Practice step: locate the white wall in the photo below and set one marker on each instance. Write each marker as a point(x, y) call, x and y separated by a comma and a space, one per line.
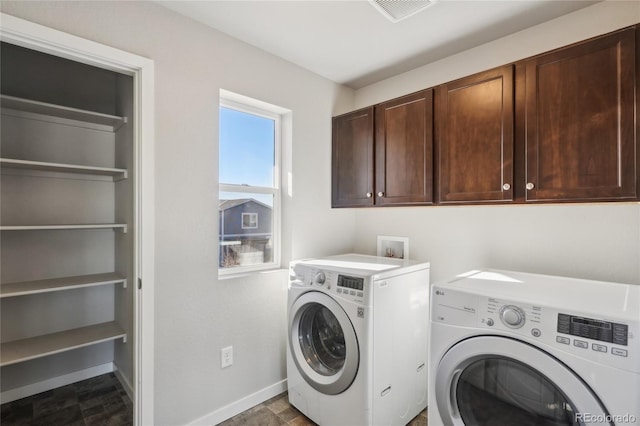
point(196, 314)
point(598, 241)
point(598, 19)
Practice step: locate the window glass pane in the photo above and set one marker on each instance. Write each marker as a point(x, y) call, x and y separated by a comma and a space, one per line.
point(249, 220)
point(246, 226)
point(247, 148)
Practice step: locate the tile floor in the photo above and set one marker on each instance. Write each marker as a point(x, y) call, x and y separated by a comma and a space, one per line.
point(101, 401)
point(97, 401)
point(278, 412)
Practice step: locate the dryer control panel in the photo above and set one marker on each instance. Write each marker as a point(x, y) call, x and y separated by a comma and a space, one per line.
point(605, 340)
point(595, 329)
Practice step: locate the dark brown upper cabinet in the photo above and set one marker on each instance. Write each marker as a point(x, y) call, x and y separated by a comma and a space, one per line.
point(383, 155)
point(404, 150)
point(558, 127)
point(352, 159)
point(474, 133)
point(579, 107)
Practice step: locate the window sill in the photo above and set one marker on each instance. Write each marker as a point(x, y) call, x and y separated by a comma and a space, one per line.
point(228, 275)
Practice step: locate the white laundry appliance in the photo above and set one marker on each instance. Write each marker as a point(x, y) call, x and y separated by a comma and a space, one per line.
point(357, 350)
point(509, 348)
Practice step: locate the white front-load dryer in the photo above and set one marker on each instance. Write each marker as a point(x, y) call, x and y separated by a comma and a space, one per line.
point(509, 348)
point(357, 346)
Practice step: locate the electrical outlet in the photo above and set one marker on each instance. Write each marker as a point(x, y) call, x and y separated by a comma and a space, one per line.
point(226, 357)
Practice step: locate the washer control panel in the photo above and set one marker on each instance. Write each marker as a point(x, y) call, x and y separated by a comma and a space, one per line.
point(355, 283)
point(332, 282)
point(353, 286)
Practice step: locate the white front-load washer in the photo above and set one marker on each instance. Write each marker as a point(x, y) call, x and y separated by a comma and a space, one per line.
point(509, 348)
point(357, 347)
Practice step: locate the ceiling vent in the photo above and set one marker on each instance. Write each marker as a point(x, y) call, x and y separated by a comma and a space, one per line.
point(397, 10)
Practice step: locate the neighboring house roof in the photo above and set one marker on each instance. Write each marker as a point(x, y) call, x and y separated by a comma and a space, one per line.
point(228, 204)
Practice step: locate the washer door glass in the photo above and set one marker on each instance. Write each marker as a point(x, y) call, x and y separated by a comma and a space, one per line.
point(500, 391)
point(321, 339)
point(323, 343)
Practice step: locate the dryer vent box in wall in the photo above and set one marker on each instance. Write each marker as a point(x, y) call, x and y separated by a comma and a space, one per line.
point(395, 10)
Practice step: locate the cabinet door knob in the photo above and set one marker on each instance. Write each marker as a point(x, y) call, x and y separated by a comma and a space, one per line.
point(530, 186)
point(380, 194)
point(506, 187)
point(369, 195)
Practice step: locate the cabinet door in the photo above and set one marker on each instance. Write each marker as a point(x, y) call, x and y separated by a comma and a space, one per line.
point(474, 129)
point(404, 150)
point(352, 157)
point(580, 142)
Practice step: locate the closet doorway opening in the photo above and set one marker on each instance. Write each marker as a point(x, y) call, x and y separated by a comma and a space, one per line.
point(76, 229)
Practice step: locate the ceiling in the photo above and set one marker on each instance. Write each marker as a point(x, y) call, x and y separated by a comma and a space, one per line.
point(352, 43)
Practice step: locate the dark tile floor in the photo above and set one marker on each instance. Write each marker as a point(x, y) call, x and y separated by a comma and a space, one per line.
point(278, 412)
point(101, 401)
point(97, 401)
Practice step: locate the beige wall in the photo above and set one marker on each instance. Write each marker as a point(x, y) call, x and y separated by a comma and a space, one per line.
point(196, 314)
point(598, 241)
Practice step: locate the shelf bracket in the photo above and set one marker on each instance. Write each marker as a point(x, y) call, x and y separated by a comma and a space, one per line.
point(124, 339)
point(124, 283)
point(123, 176)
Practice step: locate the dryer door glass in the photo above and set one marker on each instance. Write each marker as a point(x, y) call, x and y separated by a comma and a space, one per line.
point(322, 339)
point(501, 391)
point(492, 380)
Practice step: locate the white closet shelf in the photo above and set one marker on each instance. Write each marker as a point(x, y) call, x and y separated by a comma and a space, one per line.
point(50, 112)
point(12, 163)
point(36, 347)
point(57, 284)
point(114, 226)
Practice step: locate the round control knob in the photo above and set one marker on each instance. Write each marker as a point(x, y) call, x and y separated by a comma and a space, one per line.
point(490, 322)
point(512, 316)
point(320, 278)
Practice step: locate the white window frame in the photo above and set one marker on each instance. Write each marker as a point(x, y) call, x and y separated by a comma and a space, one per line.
point(251, 220)
point(261, 109)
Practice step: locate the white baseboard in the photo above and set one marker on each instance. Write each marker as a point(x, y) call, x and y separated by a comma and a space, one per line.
point(241, 405)
point(55, 382)
point(126, 384)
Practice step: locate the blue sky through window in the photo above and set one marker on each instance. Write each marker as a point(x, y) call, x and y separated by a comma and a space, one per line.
point(247, 150)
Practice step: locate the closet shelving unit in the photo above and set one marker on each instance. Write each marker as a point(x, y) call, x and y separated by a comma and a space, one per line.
point(20, 350)
point(120, 226)
point(49, 344)
point(60, 114)
point(24, 288)
point(10, 163)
